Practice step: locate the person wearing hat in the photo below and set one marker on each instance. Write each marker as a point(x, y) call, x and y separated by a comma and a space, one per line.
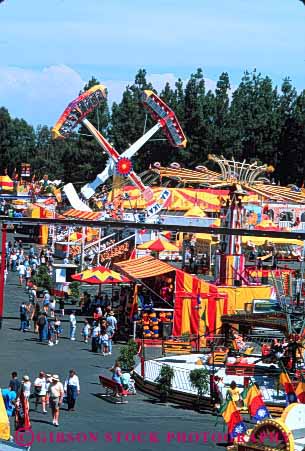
point(26, 385)
point(26, 389)
point(56, 394)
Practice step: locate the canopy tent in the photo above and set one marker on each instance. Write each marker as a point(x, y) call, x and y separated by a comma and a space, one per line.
point(6, 183)
point(144, 267)
point(190, 293)
point(158, 245)
point(207, 237)
point(195, 211)
point(99, 275)
point(261, 240)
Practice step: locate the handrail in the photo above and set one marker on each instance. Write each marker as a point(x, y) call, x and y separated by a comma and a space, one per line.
point(100, 240)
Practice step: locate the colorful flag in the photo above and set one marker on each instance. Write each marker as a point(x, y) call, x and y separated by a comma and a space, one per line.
point(233, 419)
point(254, 401)
point(135, 304)
point(300, 392)
point(288, 387)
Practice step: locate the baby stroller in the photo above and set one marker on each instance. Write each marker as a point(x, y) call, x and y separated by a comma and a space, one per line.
point(128, 384)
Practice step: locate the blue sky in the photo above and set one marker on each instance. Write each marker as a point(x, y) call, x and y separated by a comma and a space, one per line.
point(49, 48)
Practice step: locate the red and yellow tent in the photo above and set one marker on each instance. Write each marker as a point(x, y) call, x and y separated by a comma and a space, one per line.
point(198, 305)
point(6, 183)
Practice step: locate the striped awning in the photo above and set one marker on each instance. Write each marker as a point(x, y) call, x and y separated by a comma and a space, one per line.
point(143, 267)
point(6, 183)
point(90, 215)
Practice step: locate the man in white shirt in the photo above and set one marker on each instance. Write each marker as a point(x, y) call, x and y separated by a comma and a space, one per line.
point(72, 389)
point(21, 272)
point(72, 326)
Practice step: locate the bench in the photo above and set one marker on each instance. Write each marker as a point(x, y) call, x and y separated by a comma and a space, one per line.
point(275, 411)
point(177, 347)
point(112, 389)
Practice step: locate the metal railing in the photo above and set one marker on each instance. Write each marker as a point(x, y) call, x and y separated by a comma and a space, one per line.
point(181, 380)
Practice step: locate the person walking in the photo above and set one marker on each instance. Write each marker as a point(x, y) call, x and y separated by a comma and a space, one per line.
point(40, 390)
point(9, 398)
point(26, 388)
point(21, 273)
point(58, 329)
point(52, 307)
point(72, 325)
point(46, 301)
point(56, 394)
point(110, 333)
point(23, 317)
point(43, 327)
point(72, 389)
point(95, 336)
point(86, 330)
point(112, 321)
point(15, 383)
point(35, 315)
point(104, 341)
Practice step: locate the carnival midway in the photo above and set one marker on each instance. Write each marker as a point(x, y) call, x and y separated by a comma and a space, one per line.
point(197, 273)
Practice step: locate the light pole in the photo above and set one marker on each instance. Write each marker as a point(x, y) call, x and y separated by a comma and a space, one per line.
point(2, 270)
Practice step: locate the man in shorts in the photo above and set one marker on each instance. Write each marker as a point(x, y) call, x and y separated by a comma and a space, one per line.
point(56, 394)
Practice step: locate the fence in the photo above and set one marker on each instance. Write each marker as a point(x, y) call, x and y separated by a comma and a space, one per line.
point(181, 381)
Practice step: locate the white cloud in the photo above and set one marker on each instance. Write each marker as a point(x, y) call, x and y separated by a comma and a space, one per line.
point(41, 95)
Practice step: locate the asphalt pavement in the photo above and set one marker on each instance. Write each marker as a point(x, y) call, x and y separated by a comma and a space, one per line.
point(142, 424)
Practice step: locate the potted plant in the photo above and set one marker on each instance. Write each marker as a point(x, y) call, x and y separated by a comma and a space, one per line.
point(74, 288)
point(164, 381)
point(127, 355)
point(42, 279)
point(200, 379)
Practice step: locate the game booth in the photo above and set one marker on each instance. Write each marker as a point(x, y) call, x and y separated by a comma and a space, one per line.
point(165, 294)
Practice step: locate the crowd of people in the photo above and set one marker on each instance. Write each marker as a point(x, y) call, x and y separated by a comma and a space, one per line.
point(45, 390)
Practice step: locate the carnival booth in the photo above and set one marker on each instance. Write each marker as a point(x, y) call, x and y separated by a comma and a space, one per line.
point(62, 276)
point(162, 291)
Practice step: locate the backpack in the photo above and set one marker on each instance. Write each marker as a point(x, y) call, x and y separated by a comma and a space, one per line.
point(41, 321)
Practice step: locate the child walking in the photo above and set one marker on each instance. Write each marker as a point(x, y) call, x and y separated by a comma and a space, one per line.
point(86, 331)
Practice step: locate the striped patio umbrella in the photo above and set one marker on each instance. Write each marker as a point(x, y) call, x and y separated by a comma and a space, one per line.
point(99, 275)
point(158, 245)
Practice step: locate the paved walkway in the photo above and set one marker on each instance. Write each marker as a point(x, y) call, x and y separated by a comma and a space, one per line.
point(108, 423)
